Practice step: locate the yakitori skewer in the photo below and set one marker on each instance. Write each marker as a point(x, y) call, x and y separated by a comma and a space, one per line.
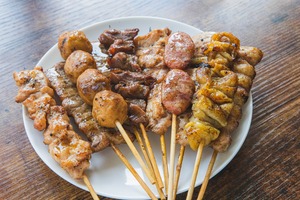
point(110, 110)
point(248, 57)
point(178, 87)
point(228, 91)
point(36, 95)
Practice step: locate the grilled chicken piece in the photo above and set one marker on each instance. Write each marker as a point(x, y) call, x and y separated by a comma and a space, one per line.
point(90, 82)
point(99, 137)
point(71, 152)
point(150, 48)
point(72, 41)
point(38, 105)
point(65, 146)
point(182, 120)
point(58, 120)
point(36, 95)
point(109, 107)
point(30, 82)
point(159, 118)
point(252, 55)
point(217, 50)
point(77, 63)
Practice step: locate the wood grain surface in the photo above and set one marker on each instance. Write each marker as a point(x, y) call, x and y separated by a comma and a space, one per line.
point(268, 164)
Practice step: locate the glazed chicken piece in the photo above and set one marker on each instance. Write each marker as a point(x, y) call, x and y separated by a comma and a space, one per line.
point(66, 146)
point(35, 94)
point(71, 152)
point(150, 48)
point(30, 82)
point(71, 41)
point(58, 120)
point(38, 105)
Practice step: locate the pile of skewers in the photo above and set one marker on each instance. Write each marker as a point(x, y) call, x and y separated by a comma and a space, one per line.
point(197, 85)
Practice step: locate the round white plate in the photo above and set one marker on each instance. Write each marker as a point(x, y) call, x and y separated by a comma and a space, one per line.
point(107, 173)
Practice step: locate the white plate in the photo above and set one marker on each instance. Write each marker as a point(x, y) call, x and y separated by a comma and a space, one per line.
point(107, 173)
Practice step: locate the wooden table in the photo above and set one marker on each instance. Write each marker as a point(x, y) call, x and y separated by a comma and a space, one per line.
point(266, 167)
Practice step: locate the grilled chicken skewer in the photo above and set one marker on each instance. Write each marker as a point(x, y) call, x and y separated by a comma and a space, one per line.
point(87, 121)
point(219, 54)
point(243, 66)
point(65, 146)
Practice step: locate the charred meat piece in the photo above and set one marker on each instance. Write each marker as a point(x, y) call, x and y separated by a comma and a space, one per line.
point(137, 111)
point(132, 90)
point(131, 84)
point(124, 61)
point(113, 41)
point(127, 76)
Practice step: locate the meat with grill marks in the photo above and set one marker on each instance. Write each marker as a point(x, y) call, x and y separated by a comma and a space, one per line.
point(99, 137)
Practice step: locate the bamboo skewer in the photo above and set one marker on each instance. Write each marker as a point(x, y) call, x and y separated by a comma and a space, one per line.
point(164, 161)
point(207, 175)
point(135, 152)
point(90, 187)
point(133, 172)
point(144, 151)
point(195, 171)
point(140, 142)
point(172, 157)
point(178, 169)
point(152, 157)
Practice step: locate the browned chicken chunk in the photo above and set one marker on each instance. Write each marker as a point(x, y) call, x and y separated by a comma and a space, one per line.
point(72, 41)
point(77, 63)
point(90, 82)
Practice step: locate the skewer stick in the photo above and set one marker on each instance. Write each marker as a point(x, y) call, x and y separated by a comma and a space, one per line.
point(195, 171)
point(164, 161)
point(178, 169)
point(143, 148)
point(133, 172)
point(90, 187)
point(172, 157)
point(152, 157)
point(207, 175)
point(135, 152)
point(140, 142)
